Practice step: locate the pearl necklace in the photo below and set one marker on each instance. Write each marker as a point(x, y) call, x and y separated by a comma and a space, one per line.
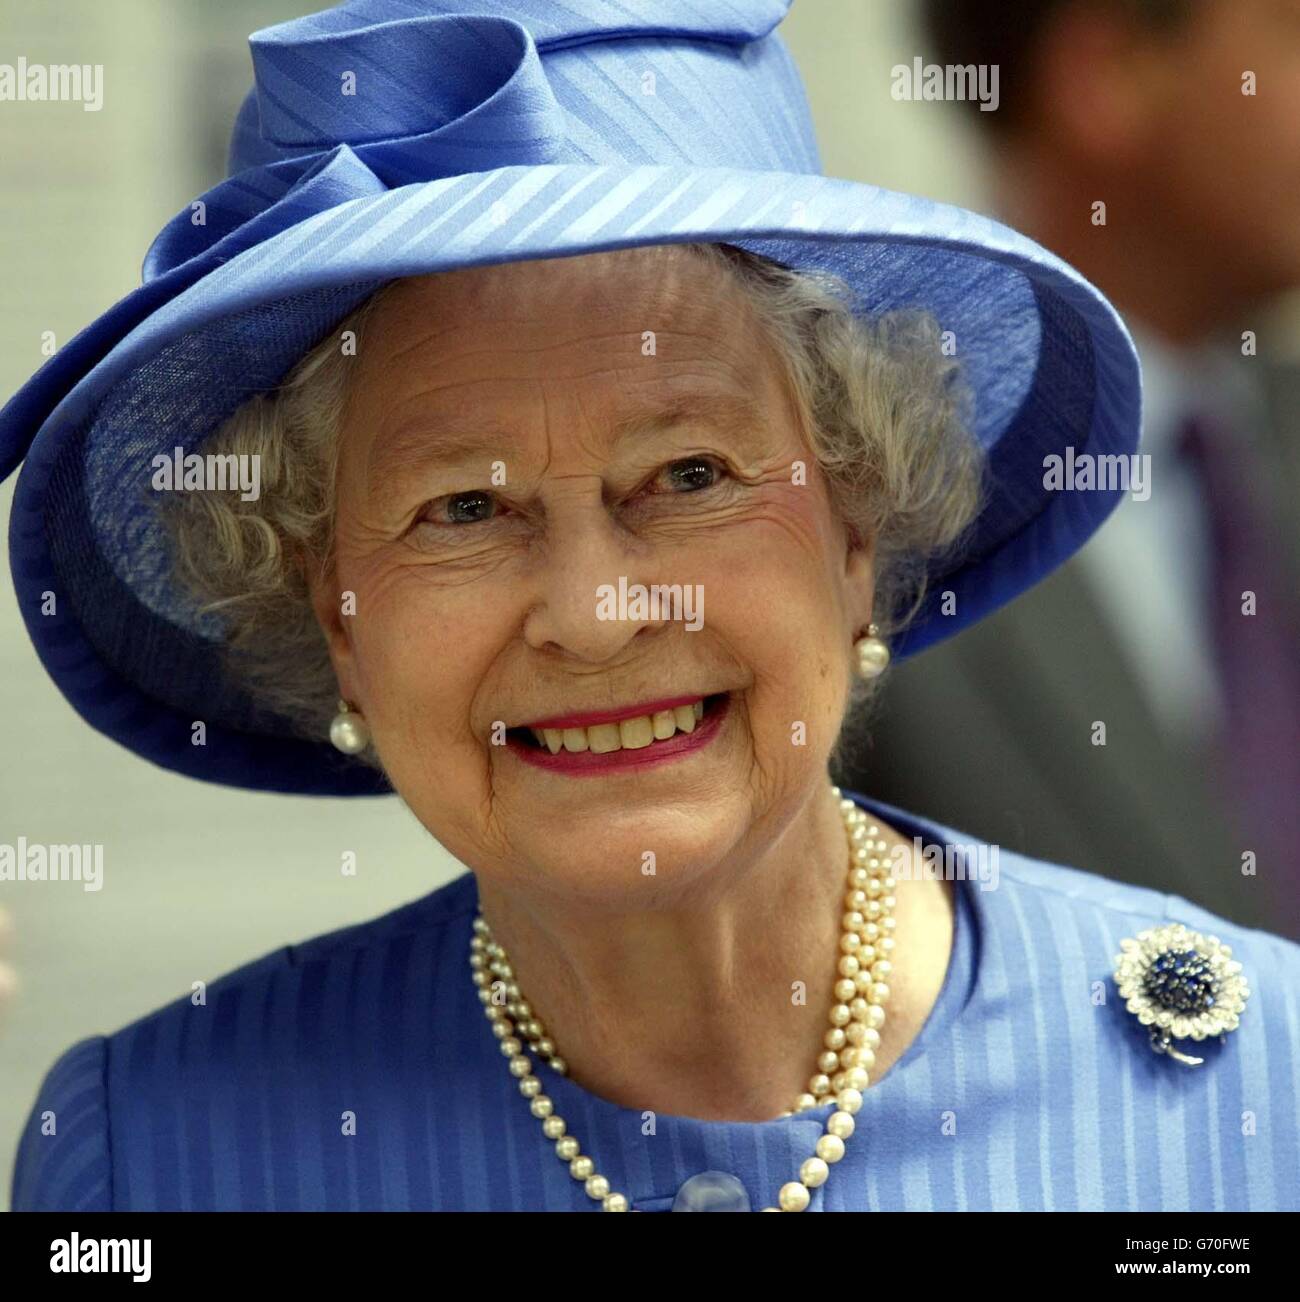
point(856, 1016)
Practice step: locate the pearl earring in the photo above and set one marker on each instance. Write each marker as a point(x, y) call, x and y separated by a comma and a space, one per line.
point(348, 730)
point(873, 654)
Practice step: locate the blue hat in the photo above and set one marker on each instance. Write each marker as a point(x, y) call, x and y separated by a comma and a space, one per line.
point(388, 138)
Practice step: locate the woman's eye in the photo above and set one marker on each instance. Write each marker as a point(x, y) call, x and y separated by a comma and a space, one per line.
point(690, 475)
point(456, 510)
point(462, 508)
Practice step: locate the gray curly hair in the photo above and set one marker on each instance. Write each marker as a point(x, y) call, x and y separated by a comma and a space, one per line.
point(885, 408)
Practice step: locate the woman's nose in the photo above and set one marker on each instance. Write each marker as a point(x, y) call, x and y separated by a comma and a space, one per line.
point(584, 562)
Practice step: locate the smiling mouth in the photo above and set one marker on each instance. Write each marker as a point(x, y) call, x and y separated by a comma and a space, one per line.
point(643, 732)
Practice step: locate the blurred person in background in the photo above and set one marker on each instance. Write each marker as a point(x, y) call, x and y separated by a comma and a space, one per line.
point(1182, 118)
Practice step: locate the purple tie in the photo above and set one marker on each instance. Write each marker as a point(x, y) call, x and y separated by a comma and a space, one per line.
point(1258, 658)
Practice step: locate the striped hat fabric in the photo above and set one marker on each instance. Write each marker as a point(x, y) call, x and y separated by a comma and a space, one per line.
point(389, 138)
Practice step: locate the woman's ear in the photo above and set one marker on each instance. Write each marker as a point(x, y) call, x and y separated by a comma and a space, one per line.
point(329, 606)
point(860, 576)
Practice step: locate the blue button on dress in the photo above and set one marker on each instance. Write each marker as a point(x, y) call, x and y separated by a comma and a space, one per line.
point(712, 1191)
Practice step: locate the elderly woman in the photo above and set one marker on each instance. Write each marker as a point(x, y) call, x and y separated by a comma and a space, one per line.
point(601, 460)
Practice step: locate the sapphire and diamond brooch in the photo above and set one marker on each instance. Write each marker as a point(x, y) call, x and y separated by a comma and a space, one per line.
point(1181, 985)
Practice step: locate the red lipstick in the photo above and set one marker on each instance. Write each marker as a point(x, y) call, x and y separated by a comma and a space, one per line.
point(588, 764)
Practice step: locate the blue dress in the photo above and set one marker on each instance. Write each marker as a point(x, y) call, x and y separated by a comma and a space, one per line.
point(1029, 1087)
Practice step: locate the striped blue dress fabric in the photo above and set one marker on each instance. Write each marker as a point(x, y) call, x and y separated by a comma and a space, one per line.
point(1023, 1091)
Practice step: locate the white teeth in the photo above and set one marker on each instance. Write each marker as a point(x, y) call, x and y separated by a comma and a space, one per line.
point(636, 734)
point(664, 724)
point(627, 734)
point(603, 738)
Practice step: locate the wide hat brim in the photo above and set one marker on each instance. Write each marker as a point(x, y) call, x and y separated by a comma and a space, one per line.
point(1050, 365)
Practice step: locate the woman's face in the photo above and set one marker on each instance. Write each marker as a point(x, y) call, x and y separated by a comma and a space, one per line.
point(522, 444)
